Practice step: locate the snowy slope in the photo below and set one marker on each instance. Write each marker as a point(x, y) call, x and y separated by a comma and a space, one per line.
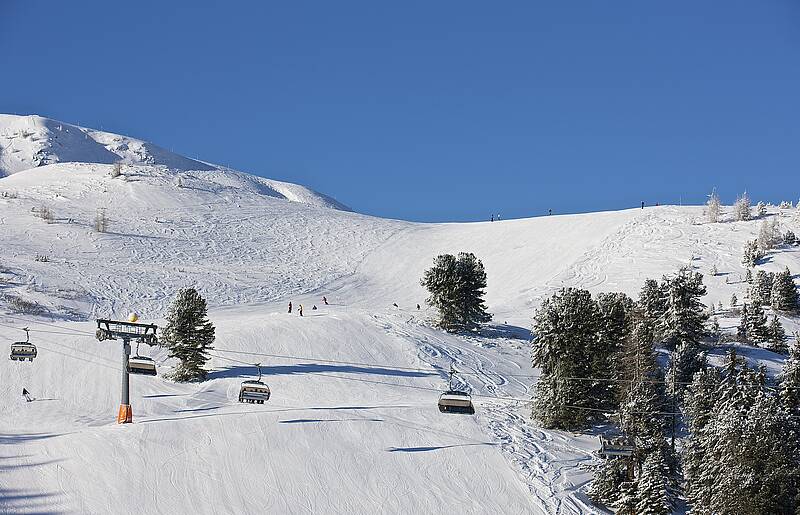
point(352, 426)
point(32, 141)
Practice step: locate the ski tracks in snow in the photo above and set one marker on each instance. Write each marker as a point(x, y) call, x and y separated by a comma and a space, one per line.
point(540, 457)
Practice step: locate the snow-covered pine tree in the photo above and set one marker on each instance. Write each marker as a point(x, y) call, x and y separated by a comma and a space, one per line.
point(685, 316)
point(748, 276)
point(456, 286)
point(761, 289)
point(743, 331)
point(614, 326)
point(741, 209)
point(789, 379)
point(752, 254)
point(739, 457)
point(627, 501)
point(608, 477)
point(713, 209)
point(189, 335)
point(761, 208)
point(784, 296)
point(564, 328)
point(734, 300)
point(764, 237)
point(652, 303)
point(777, 336)
point(789, 238)
point(653, 497)
point(686, 360)
point(757, 325)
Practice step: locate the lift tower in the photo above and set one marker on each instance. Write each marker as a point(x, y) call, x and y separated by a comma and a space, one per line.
point(126, 331)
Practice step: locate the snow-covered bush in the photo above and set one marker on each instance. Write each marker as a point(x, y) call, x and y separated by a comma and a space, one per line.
point(761, 209)
point(713, 207)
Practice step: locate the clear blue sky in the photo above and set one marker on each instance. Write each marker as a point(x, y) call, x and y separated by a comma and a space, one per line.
point(435, 110)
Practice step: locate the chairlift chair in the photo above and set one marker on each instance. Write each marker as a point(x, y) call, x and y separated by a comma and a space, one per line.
point(616, 446)
point(455, 401)
point(20, 351)
point(141, 365)
point(254, 392)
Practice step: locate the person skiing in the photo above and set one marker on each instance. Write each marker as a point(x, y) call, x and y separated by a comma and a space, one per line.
point(290, 306)
point(325, 300)
point(395, 304)
point(417, 307)
point(27, 395)
point(643, 204)
point(549, 212)
point(300, 309)
point(492, 217)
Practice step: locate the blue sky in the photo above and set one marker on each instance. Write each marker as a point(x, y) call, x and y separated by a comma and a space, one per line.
point(434, 111)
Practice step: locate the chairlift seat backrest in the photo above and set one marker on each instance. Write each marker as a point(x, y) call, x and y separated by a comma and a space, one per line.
point(142, 365)
point(22, 351)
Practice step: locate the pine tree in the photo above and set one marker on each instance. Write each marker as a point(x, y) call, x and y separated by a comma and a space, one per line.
point(734, 300)
point(607, 480)
point(752, 254)
point(761, 289)
point(614, 326)
point(789, 238)
point(739, 457)
point(743, 331)
point(653, 486)
point(789, 379)
point(784, 294)
point(761, 208)
point(652, 302)
point(189, 335)
point(564, 328)
point(713, 204)
point(685, 316)
point(627, 501)
point(686, 361)
point(748, 276)
point(777, 336)
point(757, 325)
point(741, 209)
point(768, 235)
point(456, 287)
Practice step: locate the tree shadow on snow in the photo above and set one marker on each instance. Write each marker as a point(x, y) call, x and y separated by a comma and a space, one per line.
point(512, 332)
point(317, 420)
point(27, 500)
point(438, 447)
point(314, 368)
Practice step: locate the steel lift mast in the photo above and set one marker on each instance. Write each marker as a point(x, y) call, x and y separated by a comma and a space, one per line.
point(126, 331)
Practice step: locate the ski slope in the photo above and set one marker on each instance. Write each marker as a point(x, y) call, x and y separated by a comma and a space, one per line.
point(352, 425)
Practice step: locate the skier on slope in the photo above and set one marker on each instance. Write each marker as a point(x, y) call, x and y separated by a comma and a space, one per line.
point(290, 306)
point(300, 309)
point(325, 300)
point(27, 395)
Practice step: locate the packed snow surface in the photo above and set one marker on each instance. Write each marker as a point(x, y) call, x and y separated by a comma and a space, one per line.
point(352, 424)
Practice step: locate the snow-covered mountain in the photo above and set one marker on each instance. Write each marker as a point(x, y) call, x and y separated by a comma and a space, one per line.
point(352, 426)
point(28, 142)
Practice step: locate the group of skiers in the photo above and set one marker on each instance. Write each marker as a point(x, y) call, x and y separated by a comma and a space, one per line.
point(313, 308)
